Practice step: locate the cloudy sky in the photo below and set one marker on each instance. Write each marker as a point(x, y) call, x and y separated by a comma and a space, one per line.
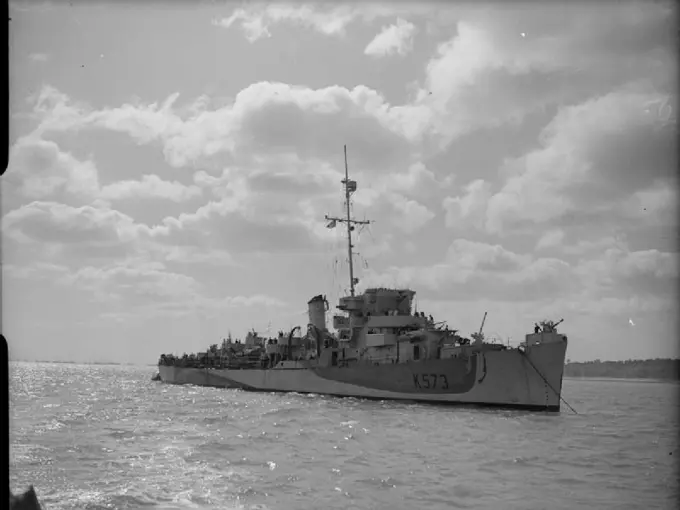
point(171, 165)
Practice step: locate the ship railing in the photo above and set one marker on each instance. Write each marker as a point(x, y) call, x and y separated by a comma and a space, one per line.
point(380, 359)
point(239, 359)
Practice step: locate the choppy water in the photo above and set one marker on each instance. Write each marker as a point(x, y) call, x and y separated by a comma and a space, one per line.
point(107, 437)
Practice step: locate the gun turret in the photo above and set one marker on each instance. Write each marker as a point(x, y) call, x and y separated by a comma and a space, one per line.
point(549, 326)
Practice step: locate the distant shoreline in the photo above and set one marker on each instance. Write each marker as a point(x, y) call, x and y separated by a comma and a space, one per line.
point(621, 379)
point(649, 369)
point(103, 363)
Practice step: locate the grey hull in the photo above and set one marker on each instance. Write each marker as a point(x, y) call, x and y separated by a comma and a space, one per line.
point(500, 378)
point(196, 376)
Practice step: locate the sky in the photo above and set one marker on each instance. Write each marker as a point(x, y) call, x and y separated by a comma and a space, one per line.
point(171, 164)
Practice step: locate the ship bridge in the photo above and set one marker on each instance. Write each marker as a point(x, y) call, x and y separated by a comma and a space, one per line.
point(379, 301)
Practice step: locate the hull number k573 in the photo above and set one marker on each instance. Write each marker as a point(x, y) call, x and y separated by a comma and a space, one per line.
point(430, 381)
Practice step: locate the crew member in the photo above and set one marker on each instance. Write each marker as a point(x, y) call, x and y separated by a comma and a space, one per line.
point(270, 353)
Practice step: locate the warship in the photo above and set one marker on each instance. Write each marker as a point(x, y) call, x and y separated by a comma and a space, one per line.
point(382, 349)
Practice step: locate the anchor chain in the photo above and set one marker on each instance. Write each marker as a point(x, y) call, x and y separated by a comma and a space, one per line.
point(545, 380)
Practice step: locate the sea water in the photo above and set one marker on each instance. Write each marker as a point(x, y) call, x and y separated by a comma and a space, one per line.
point(98, 436)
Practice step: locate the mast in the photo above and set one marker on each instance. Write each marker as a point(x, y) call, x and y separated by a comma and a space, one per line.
point(350, 187)
point(349, 227)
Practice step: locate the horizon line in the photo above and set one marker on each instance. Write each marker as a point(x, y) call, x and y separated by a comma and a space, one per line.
point(71, 362)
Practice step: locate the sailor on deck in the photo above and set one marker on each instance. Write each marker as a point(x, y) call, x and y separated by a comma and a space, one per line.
point(270, 352)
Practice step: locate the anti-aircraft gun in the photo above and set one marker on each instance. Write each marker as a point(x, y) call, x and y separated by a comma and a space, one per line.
point(549, 326)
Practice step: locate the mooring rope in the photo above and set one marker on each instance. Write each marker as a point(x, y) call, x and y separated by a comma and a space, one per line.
point(546, 381)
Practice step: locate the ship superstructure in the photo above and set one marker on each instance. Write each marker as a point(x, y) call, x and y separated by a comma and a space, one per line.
point(383, 349)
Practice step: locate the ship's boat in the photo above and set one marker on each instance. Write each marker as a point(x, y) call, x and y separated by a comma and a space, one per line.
point(26, 501)
point(383, 349)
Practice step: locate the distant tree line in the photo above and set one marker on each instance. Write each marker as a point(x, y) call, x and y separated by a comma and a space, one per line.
point(659, 368)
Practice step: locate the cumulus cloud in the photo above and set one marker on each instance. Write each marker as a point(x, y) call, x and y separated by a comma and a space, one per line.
point(655, 205)
point(106, 254)
point(503, 63)
point(279, 161)
point(96, 229)
point(38, 271)
point(139, 281)
point(229, 225)
point(253, 176)
point(550, 239)
point(253, 27)
point(38, 169)
point(412, 215)
point(195, 255)
point(488, 74)
point(256, 19)
point(594, 155)
point(255, 300)
point(643, 272)
point(397, 38)
point(62, 213)
point(402, 212)
point(589, 305)
point(150, 186)
point(474, 270)
point(149, 288)
point(468, 208)
point(259, 118)
point(416, 180)
point(191, 306)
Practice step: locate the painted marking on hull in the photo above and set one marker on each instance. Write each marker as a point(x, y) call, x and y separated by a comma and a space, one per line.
point(430, 381)
point(449, 376)
point(483, 368)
